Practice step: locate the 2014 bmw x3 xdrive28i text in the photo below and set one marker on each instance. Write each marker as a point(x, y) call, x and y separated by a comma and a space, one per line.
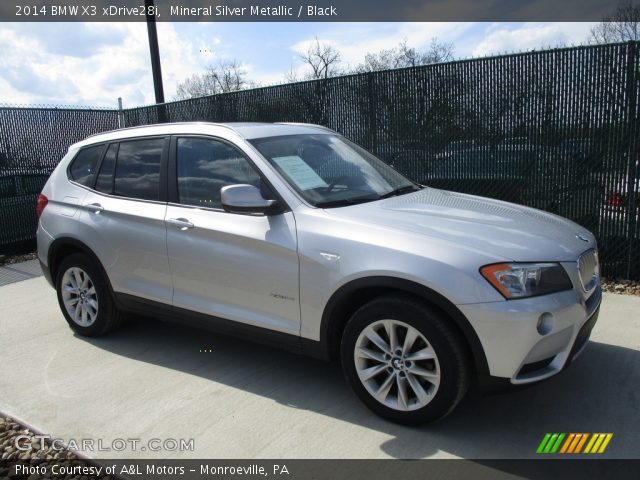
point(292, 234)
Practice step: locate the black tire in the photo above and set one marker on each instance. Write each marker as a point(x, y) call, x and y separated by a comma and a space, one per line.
point(452, 358)
point(108, 316)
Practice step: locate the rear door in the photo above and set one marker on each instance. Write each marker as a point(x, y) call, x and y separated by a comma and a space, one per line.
point(231, 266)
point(125, 218)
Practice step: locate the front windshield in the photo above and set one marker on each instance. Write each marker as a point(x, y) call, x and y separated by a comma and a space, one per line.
point(330, 171)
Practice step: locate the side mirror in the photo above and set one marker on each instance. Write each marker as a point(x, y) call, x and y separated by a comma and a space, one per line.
point(245, 199)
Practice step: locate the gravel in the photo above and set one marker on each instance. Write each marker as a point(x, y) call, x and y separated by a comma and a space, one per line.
point(11, 259)
point(10, 430)
point(624, 287)
point(39, 454)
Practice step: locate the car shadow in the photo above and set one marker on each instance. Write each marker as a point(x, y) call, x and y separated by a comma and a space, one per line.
point(597, 394)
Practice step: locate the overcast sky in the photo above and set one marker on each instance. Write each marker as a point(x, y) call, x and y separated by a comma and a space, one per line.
point(95, 63)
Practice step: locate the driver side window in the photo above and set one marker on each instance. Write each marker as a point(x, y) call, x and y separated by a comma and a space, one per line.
point(205, 166)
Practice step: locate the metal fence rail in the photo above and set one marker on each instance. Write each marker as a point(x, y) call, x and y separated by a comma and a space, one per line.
point(555, 129)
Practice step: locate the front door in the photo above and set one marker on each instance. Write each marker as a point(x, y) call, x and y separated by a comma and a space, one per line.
point(232, 266)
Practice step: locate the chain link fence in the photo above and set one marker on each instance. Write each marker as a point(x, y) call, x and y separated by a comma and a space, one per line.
point(32, 142)
point(555, 130)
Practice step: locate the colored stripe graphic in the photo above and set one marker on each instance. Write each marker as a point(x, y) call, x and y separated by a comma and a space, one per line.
point(581, 442)
point(590, 444)
point(605, 443)
point(577, 437)
point(574, 443)
point(598, 443)
point(556, 445)
point(567, 442)
point(543, 443)
point(550, 443)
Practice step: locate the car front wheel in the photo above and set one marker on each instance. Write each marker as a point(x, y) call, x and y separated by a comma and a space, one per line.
point(404, 360)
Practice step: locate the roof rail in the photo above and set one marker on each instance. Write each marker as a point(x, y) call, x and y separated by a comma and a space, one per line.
point(124, 129)
point(301, 124)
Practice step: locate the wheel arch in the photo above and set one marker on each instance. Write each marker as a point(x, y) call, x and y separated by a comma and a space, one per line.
point(65, 246)
point(351, 296)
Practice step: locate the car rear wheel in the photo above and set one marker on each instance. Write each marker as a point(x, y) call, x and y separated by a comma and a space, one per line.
point(84, 297)
point(404, 360)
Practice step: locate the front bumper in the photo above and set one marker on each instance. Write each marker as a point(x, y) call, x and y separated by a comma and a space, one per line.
point(517, 351)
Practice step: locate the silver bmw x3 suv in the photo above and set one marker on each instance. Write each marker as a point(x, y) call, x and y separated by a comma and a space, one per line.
point(291, 234)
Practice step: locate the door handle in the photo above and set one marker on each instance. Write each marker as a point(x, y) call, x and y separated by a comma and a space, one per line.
point(180, 223)
point(94, 207)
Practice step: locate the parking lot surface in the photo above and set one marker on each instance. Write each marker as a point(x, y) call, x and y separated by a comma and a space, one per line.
point(234, 399)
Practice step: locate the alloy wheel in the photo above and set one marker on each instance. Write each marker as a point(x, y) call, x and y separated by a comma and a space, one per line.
point(79, 297)
point(397, 365)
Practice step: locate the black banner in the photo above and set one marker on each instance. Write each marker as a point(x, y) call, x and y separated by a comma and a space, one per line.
point(306, 10)
point(322, 469)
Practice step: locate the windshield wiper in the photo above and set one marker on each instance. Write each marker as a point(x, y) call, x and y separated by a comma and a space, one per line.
point(353, 201)
point(346, 201)
point(400, 191)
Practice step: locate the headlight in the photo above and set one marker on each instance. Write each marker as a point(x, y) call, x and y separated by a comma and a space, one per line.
point(519, 280)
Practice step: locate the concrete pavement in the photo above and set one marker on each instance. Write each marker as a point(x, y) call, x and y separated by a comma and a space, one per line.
point(17, 272)
point(152, 380)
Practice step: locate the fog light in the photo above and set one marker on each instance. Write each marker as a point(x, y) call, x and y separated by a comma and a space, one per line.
point(545, 323)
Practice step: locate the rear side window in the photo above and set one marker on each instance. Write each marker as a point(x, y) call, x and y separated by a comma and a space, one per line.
point(138, 169)
point(84, 165)
point(104, 182)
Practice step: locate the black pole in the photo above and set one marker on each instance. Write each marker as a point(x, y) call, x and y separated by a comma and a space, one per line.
point(155, 59)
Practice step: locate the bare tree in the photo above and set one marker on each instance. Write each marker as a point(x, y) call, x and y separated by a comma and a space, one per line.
point(226, 76)
point(623, 25)
point(405, 56)
point(323, 59)
point(291, 76)
point(437, 52)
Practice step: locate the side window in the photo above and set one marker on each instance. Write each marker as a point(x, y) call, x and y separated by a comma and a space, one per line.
point(205, 166)
point(138, 169)
point(104, 182)
point(84, 165)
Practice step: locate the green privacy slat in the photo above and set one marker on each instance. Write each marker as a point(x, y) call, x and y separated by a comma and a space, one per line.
point(556, 130)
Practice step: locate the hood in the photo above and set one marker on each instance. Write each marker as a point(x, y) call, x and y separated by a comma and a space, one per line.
point(502, 229)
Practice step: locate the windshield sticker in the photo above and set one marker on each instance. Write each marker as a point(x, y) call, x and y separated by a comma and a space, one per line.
point(299, 172)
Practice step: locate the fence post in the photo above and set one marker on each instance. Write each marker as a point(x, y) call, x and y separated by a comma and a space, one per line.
point(632, 149)
point(373, 140)
point(120, 114)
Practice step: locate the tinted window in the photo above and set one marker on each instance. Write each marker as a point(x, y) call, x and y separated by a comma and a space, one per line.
point(138, 169)
point(205, 166)
point(104, 183)
point(85, 164)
